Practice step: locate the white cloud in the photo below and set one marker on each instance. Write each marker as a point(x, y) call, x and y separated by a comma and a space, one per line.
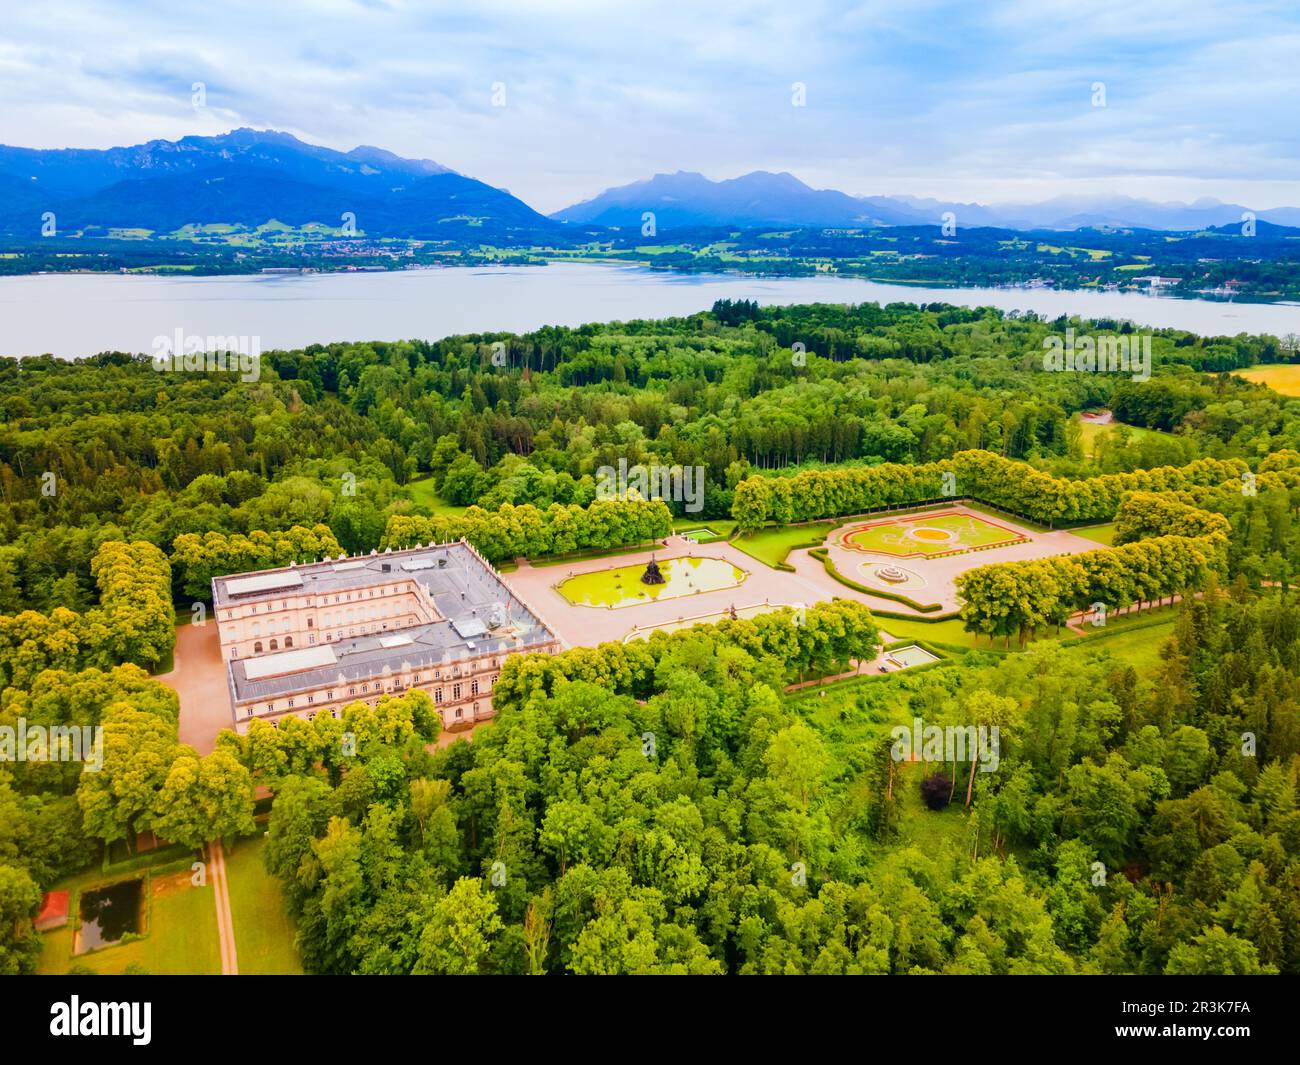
point(968, 102)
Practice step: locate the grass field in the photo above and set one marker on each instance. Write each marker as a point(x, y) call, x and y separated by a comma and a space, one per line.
point(721, 526)
point(1101, 534)
point(1138, 647)
point(771, 546)
point(180, 933)
point(950, 631)
point(264, 930)
point(1128, 636)
point(997, 515)
point(1280, 377)
point(1094, 431)
point(423, 494)
point(928, 535)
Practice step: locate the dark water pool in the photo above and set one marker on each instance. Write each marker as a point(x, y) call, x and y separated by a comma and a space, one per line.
point(109, 913)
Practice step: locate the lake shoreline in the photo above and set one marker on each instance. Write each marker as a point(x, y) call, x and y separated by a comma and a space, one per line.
point(649, 266)
point(78, 315)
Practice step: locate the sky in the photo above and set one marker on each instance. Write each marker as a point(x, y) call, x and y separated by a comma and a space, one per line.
point(991, 102)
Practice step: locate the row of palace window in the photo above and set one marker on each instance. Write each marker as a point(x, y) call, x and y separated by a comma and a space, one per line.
point(460, 712)
point(345, 597)
point(330, 637)
point(257, 647)
point(365, 689)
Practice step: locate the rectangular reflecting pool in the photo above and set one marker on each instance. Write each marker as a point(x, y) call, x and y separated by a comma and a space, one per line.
point(911, 655)
point(622, 586)
point(109, 913)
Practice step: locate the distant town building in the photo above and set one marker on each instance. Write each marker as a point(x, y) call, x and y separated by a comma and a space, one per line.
point(306, 639)
point(1155, 281)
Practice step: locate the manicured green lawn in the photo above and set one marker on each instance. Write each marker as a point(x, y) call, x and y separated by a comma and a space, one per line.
point(264, 930)
point(622, 585)
point(1102, 534)
point(1116, 628)
point(997, 515)
point(949, 631)
point(1134, 619)
point(720, 527)
point(180, 934)
point(770, 546)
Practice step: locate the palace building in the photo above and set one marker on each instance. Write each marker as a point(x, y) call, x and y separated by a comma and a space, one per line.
point(312, 638)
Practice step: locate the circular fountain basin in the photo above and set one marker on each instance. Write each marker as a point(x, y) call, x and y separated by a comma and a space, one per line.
point(889, 575)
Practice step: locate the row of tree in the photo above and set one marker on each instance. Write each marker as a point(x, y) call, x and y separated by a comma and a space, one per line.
point(1018, 598)
point(818, 640)
point(529, 531)
point(1001, 482)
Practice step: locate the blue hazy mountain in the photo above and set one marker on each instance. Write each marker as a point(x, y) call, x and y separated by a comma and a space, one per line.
point(757, 199)
point(251, 177)
point(686, 199)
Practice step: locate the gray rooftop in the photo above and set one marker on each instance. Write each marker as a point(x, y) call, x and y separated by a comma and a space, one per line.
point(466, 593)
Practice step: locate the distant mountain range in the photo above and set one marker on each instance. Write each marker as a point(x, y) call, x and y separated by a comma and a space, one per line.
point(762, 199)
point(250, 177)
point(758, 199)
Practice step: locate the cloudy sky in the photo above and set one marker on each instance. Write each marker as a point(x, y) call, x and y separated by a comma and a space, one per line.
point(990, 101)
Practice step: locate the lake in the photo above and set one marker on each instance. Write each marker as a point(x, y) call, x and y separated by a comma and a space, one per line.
point(72, 315)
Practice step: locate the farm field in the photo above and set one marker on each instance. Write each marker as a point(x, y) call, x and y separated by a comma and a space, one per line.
point(1280, 377)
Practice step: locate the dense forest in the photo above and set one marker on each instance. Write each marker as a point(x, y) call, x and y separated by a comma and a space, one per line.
point(108, 448)
point(668, 806)
point(1124, 831)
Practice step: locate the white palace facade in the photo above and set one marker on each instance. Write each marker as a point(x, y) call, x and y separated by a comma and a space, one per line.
point(312, 638)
